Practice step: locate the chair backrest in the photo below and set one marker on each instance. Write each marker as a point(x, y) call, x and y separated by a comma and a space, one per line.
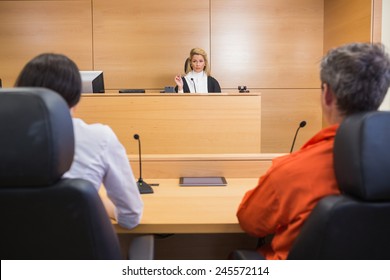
point(42, 215)
point(356, 224)
point(187, 65)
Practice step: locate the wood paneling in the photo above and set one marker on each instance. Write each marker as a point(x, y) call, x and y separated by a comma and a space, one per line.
point(266, 44)
point(346, 21)
point(144, 43)
point(28, 28)
point(203, 165)
point(184, 124)
point(192, 124)
point(376, 19)
point(281, 113)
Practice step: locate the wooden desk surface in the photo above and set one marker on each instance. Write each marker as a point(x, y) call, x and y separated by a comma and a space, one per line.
point(175, 209)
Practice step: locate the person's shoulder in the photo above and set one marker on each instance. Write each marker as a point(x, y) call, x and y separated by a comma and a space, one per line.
point(212, 78)
point(97, 129)
point(213, 84)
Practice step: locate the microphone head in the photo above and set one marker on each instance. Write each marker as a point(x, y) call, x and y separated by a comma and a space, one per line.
point(192, 79)
point(136, 136)
point(302, 124)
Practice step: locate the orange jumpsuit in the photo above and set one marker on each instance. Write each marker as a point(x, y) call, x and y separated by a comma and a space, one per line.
point(287, 193)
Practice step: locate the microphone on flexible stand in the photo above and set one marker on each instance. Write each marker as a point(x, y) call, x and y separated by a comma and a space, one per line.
point(192, 79)
point(302, 124)
point(143, 187)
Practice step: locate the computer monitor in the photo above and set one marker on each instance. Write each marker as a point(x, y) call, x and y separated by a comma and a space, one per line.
point(92, 82)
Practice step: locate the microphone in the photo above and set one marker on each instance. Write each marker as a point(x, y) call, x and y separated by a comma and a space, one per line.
point(143, 187)
point(192, 79)
point(302, 124)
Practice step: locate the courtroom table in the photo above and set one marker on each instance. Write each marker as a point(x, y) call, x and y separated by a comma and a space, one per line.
point(195, 222)
point(192, 223)
point(191, 209)
point(195, 209)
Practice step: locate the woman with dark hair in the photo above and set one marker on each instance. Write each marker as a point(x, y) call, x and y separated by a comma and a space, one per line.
point(197, 78)
point(99, 156)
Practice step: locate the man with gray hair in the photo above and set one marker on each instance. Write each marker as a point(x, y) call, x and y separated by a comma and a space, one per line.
point(354, 79)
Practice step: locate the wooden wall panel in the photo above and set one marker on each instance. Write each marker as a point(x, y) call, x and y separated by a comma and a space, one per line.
point(282, 112)
point(376, 21)
point(181, 165)
point(346, 21)
point(28, 28)
point(144, 43)
point(266, 44)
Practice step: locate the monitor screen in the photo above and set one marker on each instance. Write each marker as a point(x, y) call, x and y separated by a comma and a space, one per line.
point(92, 82)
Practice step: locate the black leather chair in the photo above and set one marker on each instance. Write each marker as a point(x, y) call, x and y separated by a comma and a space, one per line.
point(356, 224)
point(42, 215)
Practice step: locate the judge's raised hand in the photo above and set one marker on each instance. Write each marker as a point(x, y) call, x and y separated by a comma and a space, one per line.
point(179, 82)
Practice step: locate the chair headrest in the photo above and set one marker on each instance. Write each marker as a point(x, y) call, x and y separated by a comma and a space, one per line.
point(362, 156)
point(37, 141)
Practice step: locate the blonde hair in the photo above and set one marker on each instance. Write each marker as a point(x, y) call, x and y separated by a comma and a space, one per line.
point(197, 51)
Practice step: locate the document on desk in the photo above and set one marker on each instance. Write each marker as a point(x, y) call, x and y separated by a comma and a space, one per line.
point(202, 181)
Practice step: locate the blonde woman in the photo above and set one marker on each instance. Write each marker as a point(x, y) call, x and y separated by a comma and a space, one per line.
point(197, 78)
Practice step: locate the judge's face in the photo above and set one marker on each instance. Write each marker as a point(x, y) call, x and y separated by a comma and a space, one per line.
point(198, 63)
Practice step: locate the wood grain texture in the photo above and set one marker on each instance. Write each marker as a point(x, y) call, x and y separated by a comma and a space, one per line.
point(144, 43)
point(203, 165)
point(232, 127)
point(195, 209)
point(184, 124)
point(266, 44)
point(29, 28)
point(281, 113)
point(346, 21)
point(192, 209)
point(376, 19)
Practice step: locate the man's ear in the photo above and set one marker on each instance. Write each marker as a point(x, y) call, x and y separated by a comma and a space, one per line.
point(327, 95)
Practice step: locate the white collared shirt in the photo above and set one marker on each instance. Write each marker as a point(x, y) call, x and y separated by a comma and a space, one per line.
point(101, 158)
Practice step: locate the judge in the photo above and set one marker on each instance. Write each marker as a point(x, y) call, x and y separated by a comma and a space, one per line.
point(197, 78)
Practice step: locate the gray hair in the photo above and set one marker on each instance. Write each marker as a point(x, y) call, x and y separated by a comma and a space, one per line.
point(359, 76)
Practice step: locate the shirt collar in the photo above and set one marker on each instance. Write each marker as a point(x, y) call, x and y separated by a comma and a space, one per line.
point(326, 133)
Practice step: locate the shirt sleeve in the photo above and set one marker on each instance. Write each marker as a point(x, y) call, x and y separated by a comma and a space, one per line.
point(259, 212)
point(120, 184)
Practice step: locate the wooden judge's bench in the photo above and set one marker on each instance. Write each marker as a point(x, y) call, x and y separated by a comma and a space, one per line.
point(179, 123)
